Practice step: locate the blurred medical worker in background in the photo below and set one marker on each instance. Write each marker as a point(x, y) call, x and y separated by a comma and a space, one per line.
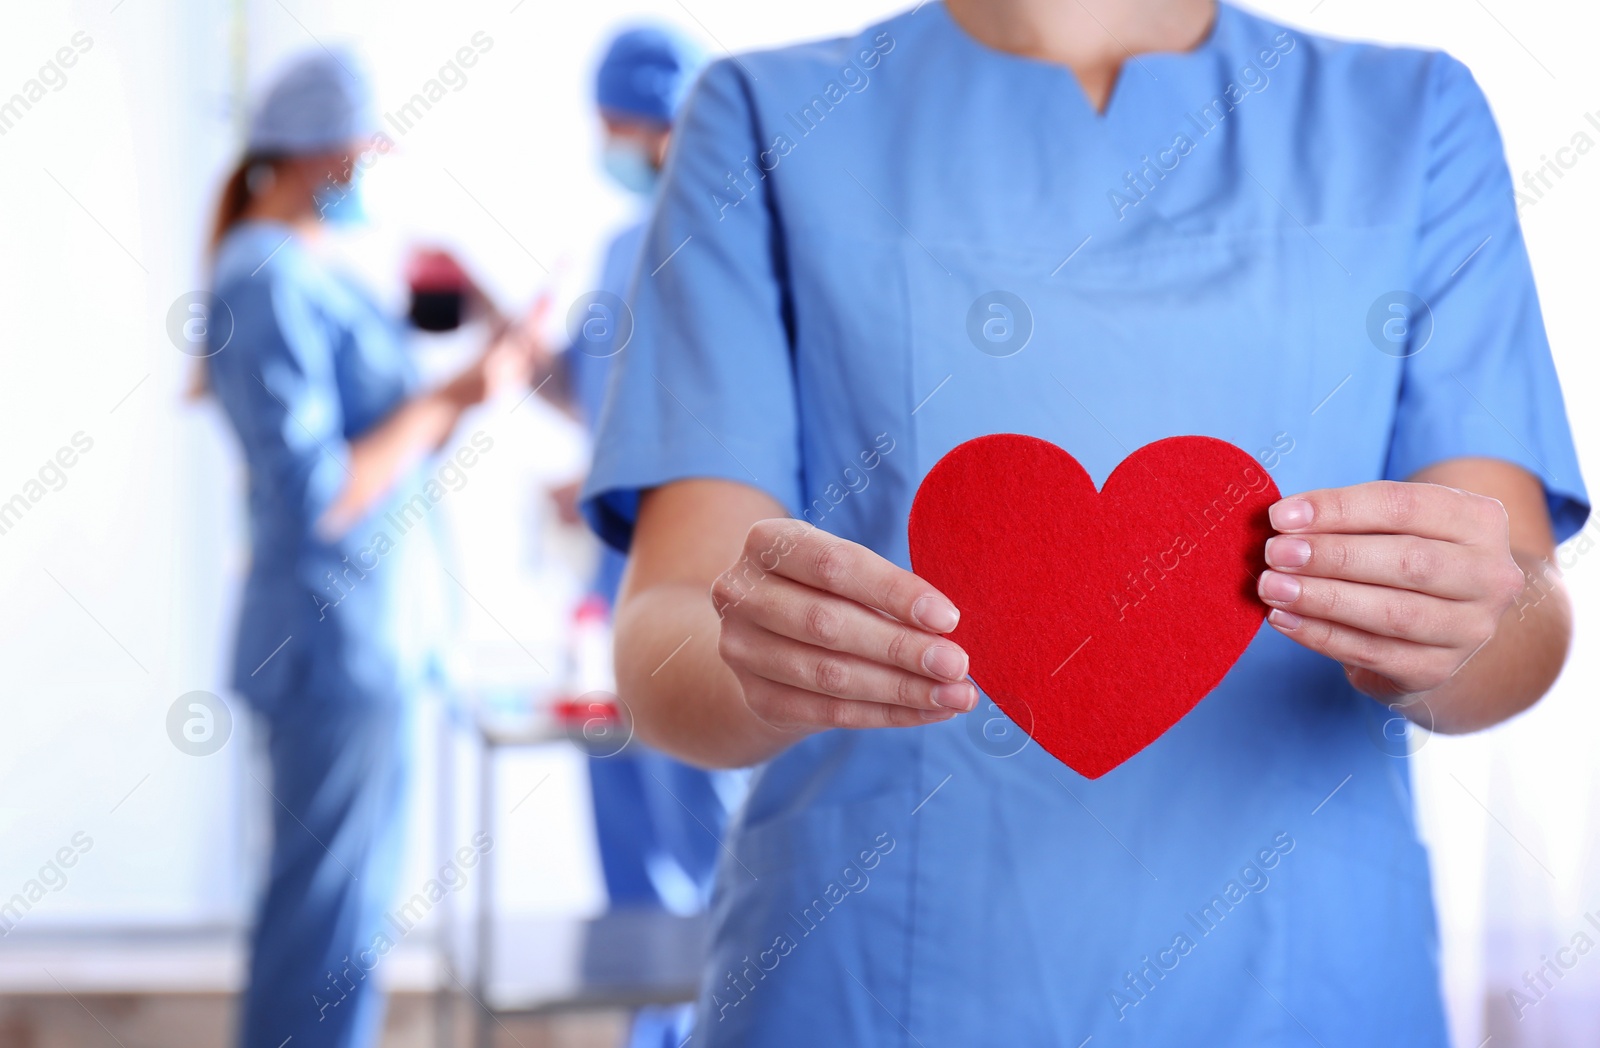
point(651, 849)
point(1197, 221)
point(658, 821)
point(643, 79)
point(316, 382)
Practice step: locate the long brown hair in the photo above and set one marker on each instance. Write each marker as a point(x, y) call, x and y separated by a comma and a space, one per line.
point(232, 203)
point(236, 195)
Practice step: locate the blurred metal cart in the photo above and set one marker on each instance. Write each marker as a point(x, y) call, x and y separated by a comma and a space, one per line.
point(521, 967)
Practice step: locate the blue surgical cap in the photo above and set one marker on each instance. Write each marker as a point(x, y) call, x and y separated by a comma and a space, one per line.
point(646, 72)
point(318, 103)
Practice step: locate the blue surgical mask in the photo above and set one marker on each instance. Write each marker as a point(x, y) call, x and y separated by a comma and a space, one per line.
point(629, 167)
point(340, 203)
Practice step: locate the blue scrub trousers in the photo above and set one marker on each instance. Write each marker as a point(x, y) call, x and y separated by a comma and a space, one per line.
point(657, 821)
point(312, 364)
point(339, 772)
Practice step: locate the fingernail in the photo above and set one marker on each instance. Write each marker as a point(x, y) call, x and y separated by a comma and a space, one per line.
point(1290, 514)
point(961, 696)
point(1277, 588)
point(945, 660)
point(936, 614)
point(936, 715)
point(1284, 620)
point(1286, 552)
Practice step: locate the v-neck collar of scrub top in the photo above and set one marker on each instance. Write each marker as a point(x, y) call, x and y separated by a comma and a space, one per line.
point(1126, 88)
point(1154, 91)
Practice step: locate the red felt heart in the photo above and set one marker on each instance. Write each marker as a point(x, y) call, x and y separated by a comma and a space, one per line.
point(1096, 620)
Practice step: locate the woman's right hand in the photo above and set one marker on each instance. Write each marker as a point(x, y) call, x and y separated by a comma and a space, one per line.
point(823, 633)
point(507, 362)
point(423, 424)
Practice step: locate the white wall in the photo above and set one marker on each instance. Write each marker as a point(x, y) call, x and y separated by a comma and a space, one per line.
point(111, 583)
point(118, 587)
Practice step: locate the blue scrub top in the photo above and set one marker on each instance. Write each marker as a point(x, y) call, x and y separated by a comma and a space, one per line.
point(311, 363)
point(1215, 254)
point(588, 366)
point(589, 363)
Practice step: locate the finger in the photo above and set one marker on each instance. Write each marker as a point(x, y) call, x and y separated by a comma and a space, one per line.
point(540, 308)
point(1379, 610)
point(1390, 507)
point(787, 661)
point(795, 709)
point(1444, 569)
point(785, 607)
point(1412, 667)
point(814, 558)
point(1383, 689)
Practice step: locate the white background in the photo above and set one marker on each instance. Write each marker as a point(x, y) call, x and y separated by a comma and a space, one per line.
point(118, 589)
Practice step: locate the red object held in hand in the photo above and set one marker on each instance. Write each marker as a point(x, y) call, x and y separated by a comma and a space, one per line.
point(434, 269)
point(438, 290)
point(1096, 619)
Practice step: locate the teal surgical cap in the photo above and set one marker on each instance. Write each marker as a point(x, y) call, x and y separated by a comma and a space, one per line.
point(646, 72)
point(318, 103)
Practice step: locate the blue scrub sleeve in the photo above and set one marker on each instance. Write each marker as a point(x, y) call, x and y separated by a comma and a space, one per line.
point(705, 388)
point(284, 396)
point(1483, 383)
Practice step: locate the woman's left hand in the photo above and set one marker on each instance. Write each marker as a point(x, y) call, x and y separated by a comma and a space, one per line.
point(1402, 583)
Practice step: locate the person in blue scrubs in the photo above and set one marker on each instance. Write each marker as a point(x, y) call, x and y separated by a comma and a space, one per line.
point(315, 380)
point(658, 821)
point(1202, 222)
point(640, 85)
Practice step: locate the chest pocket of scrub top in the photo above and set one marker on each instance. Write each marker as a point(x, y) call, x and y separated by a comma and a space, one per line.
point(1122, 345)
